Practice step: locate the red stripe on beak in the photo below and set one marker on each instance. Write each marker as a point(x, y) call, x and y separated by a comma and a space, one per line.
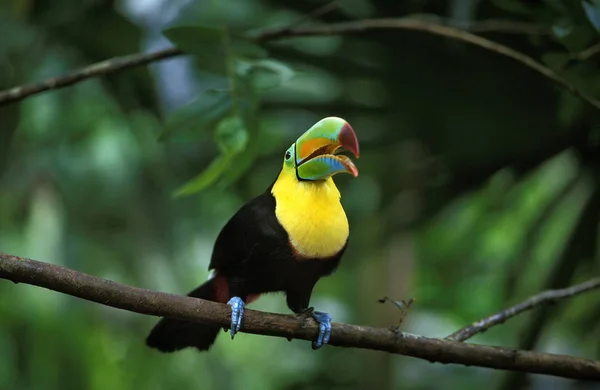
point(348, 139)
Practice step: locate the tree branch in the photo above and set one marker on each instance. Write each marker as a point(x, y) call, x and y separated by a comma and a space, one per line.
point(98, 69)
point(413, 24)
point(586, 54)
point(507, 27)
point(316, 13)
point(105, 292)
point(543, 298)
point(362, 26)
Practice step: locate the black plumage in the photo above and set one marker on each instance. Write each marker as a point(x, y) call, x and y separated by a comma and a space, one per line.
point(252, 255)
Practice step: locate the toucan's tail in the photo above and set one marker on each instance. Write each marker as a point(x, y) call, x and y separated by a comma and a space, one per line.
point(171, 335)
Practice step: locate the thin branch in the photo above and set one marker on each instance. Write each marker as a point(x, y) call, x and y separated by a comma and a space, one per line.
point(402, 305)
point(586, 54)
point(432, 28)
point(507, 27)
point(105, 292)
point(487, 25)
point(317, 13)
point(362, 26)
point(98, 69)
point(543, 298)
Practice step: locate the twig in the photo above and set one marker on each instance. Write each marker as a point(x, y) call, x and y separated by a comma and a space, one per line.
point(121, 63)
point(487, 25)
point(507, 27)
point(544, 298)
point(362, 26)
point(436, 29)
point(402, 305)
point(586, 54)
point(317, 13)
point(98, 69)
point(105, 292)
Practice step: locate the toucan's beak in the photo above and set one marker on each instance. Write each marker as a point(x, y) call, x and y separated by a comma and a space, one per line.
point(316, 150)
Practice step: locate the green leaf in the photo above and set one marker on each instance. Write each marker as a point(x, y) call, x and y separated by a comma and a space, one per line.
point(239, 167)
point(201, 114)
point(247, 49)
point(196, 40)
point(570, 110)
point(247, 103)
point(556, 60)
point(574, 37)
point(243, 162)
point(231, 135)
point(206, 177)
point(266, 74)
point(204, 43)
point(207, 45)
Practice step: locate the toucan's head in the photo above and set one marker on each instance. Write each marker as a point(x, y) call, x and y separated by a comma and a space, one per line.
point(314, 156)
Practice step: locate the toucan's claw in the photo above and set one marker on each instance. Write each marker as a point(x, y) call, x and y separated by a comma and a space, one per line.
point(237, 312)
point(304, 314)
point(324, 321)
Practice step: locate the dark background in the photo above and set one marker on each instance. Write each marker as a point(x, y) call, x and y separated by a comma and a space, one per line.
point(478, 185)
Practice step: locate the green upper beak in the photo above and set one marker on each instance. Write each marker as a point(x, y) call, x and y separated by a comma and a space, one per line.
point(316, 149)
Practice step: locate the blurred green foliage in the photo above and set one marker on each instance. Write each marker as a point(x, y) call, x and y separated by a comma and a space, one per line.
point(478, 186)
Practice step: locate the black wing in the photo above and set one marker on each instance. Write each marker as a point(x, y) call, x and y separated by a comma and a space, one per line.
point(252, 235)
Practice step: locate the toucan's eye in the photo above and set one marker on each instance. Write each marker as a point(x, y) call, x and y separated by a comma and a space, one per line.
point(288, 155)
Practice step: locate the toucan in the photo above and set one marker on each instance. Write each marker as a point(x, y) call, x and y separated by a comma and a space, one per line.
point(284, 240)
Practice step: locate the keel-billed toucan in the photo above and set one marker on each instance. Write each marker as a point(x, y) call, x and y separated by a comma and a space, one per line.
point(285, 239)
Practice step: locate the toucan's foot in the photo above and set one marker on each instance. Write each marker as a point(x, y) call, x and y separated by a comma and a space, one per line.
point(305, 313)
point(237, 312)
point(324, 321)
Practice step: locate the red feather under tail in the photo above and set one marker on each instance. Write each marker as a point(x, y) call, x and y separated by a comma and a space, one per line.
point(222, 295)
point(171, 335)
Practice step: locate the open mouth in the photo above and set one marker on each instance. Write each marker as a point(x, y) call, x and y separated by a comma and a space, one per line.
point(319, 150)
point(333, 151)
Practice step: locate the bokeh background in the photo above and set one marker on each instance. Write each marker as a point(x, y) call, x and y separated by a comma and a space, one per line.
point(479, 184)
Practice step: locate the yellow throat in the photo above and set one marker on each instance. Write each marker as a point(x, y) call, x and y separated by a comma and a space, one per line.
point(311, 213)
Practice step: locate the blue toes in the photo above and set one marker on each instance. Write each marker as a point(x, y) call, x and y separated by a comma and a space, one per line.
point(237, 312)
point(324, 321)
